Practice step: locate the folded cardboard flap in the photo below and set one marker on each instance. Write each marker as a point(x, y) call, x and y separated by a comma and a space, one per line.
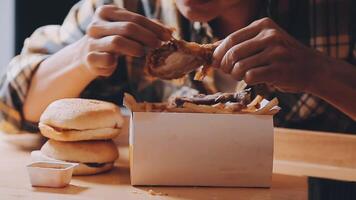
point(199, 149)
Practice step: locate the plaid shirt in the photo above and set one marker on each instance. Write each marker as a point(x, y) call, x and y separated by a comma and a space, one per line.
point(323, 25)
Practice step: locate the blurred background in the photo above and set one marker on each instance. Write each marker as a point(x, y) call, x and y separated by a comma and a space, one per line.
point(19, 18)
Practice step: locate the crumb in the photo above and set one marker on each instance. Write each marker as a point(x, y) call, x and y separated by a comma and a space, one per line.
point(135, 192)
point(153, 193)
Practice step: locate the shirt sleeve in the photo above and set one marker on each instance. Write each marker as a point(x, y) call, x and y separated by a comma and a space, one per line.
point(45, 41)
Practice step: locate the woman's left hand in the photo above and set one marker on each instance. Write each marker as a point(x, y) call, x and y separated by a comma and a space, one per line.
point(264, 53)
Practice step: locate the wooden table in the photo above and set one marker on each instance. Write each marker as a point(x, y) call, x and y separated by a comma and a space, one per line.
point(15, 184)
point(316, 154)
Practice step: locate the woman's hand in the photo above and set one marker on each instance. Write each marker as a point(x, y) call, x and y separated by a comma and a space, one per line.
point(263, 53)
point(114, 32)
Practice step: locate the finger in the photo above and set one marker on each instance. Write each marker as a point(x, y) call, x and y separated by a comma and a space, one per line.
point(240, 67)
point(241, 51)
point(217, 43)
point(105, 71)
point(161, 31)
point(239, 36)
point(102, 60)
point(264, 74)
point(129, 30)
point(118, 45)
point(101, 63)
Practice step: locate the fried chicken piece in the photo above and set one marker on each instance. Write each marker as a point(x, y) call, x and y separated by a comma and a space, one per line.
point(176, 58)
point(237, 100)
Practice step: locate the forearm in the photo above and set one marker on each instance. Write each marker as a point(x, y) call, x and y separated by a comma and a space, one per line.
point(59, 76)
point(336, 84)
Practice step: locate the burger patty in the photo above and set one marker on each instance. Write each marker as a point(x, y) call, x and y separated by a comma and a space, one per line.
point(95, 165)
point(42, 156)
point(71, 129)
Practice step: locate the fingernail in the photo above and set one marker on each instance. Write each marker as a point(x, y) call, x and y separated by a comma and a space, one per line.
point(237, 64)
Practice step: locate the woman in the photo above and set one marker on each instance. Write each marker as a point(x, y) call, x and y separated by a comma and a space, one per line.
point(71, 60)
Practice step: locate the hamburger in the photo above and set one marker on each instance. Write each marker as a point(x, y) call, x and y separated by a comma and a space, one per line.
point(80, 131)
point(75, 119)
point(92, 156)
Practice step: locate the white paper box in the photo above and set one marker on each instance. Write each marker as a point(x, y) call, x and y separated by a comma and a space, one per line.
point(198, 149)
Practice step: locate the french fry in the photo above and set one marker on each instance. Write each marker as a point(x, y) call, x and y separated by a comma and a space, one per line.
point(272, 112)
point(179, 81)
point(203, 108)
point(200, 109)
point(249, 110)
point(265, 110)
point(130, 102)
point(233, 107)
point(159, 106)
point(241, 85)
point(252, 106)
point(223, 108)
point(201, 73)
point(219, 106)
point(255, 101)
point(199, 76)
point(148, 107)
point(180, 110)
point(153, 107)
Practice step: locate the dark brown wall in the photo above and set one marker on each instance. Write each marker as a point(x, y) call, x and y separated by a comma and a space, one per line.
point(31, 14)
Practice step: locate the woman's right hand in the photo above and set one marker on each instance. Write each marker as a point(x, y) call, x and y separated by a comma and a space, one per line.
point(115, 32)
